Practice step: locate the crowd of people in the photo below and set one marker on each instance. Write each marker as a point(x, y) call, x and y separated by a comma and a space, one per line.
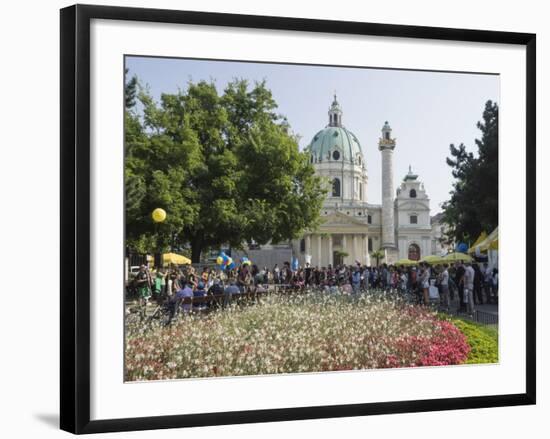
point(464, 284)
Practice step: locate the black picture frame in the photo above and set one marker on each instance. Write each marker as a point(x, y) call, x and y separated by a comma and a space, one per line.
point(75, 217)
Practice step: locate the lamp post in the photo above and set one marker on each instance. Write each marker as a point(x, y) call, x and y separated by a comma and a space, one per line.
point(159, 215)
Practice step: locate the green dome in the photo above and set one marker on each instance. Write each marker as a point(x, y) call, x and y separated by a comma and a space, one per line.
point(335, 143)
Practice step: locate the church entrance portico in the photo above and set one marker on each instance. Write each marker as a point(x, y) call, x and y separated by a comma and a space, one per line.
point(341, 239)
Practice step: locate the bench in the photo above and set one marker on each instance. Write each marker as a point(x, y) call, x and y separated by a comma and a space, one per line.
point(252, 295)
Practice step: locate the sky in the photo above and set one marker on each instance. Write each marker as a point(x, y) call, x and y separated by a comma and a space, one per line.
point(426, 110)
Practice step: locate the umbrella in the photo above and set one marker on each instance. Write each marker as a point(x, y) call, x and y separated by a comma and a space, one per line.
point(432, 259)
point(482, 237)
point(491, 243)
point(457, 256)
point(174, 258)
point(405, 261)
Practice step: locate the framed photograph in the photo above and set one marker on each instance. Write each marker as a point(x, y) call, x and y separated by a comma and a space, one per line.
point(275, 218)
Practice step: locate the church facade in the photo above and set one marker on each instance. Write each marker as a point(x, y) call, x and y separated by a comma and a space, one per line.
point(352, 228)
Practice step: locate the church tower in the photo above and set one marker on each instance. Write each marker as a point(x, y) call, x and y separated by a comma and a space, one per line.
point(335, 114)
point(386, 145)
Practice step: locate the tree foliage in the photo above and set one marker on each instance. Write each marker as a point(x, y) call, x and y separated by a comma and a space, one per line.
point(473, 206)
point(378, 255)
point(224, 167)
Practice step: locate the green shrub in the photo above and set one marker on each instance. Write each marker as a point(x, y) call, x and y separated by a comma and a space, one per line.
point(483, 340)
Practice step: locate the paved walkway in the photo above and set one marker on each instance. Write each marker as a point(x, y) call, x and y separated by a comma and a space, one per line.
point(490, 308)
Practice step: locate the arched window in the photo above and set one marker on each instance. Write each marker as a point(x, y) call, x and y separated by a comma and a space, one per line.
point(412, 193)
point(414, 252)
point(336, 187)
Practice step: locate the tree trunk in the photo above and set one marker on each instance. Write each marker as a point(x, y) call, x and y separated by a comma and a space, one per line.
point(196, 250)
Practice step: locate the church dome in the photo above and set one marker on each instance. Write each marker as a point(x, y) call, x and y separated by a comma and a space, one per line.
point(335, 143)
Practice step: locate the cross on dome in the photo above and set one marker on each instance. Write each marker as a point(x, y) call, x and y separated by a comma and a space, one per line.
point(410, 175)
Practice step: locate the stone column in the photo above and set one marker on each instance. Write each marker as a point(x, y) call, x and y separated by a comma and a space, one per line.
point(366, 255)
point(330, 261)
point(319, 251)
point(308, 246)
point(354, 244)
point(386, 146)
point(344, 247)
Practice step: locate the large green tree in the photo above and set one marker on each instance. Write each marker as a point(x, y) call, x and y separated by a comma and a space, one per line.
point(224, 167)
point(473, 206)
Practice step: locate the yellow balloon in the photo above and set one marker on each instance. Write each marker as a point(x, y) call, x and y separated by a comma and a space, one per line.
point(159, 215)
point(219, 260)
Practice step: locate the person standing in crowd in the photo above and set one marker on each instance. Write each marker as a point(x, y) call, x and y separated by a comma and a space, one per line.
point(373, 278)
point(315, 276)
point(425, 282)
point(307, 275)
point(192, 278)
point(286, 275)
point(276, 277)
point(356, 280)
point(412, 281)
point(444, 287)
point(495, 284)
point(365, 277)
point(488, 284)
point(478, 280)
point(243, 278)
point(453, 290)
point(469, 275)
point(395, 278)
point(205, 276)
point(403, 281)
point(322, 277)
point(254, 274)
point(459, 282)
point(158, 285)
point(383, 276)
point(171, 278)
point(143, 284)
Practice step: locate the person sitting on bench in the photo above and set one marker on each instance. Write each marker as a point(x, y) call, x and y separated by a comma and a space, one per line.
point(199, 292)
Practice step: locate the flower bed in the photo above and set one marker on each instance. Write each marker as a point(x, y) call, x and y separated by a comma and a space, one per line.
point(290, 334)
point(483, 341)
